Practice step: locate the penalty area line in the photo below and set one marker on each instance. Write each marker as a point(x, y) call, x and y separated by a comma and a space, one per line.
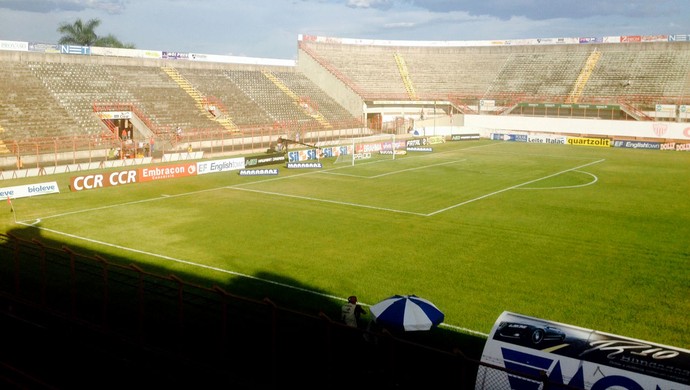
point(328, 201)
point(514, 187)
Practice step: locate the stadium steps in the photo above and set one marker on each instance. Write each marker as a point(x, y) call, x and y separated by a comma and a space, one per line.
point(405, 75)
point(3, 148)
point(200, 99)
point(306, 108)
point(586, 72)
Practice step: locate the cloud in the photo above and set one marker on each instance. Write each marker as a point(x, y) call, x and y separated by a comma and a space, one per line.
point(380, 4)
point(46, 6)
point(550, 9)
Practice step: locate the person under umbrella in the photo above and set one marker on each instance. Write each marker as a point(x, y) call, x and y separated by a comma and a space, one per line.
point(351, 312)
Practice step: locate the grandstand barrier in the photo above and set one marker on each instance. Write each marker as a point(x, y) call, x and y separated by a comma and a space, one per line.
point(183, 156)
point(78, 167)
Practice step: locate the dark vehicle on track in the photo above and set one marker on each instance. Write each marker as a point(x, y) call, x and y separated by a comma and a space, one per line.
point(534, 334)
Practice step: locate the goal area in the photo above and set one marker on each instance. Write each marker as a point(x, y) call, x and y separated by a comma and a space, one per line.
point(366, 149)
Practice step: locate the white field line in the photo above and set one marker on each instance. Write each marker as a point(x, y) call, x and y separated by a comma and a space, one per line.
point(329, 201)
point(594, 180)
point(221, 270)
point(193, 264)
point(394, 172)
point(162, 197)
point(512, 187)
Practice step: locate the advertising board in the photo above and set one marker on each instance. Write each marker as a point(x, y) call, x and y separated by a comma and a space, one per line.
point(578, 357)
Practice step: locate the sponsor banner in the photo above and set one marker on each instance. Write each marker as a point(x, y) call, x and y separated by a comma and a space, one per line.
point(215, 166)
point(679, 38)
point(100, 180)
point(397, 145)
point(631, 38)
point(27, 190)
point(589, 40)
point(582, 358)
point(293, 165)
point(463, 137)
point(510, 137)
point(486, 104)
point(167, 172)
point(398, 152)
point(14, 45)
point(120, 52)
point(44, 47)
point(570, 106)
point(654, 38)
point(667, 108)
point(335, 151)
point(668, 146)
point(302, 155)
point(437, 139)
point(577, 141)
point(683, 147)
point(72, 49)
point(174, 55)
point(419, 149)
point(115, 114)
point(546, 139)
point(258, 172)
point(369, 148)
point(330, 152)
point(632, 144)
point(268, 159)
point(416, 142)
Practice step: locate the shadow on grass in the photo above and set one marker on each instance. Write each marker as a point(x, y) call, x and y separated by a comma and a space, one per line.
point(106, 317)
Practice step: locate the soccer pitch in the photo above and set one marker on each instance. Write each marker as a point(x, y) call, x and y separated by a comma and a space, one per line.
point(593, 237)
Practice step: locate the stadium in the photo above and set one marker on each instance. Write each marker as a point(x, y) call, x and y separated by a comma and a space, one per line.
point(190, 219)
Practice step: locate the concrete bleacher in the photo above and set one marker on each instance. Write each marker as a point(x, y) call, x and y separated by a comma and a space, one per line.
point(50, 96)
point(46, 96)
point(654, 71)
point(315, 98)
point(27, 108)
point(635, 74)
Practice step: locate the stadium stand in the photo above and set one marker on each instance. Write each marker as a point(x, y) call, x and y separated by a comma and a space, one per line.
point(640, 73)
point(53, 98)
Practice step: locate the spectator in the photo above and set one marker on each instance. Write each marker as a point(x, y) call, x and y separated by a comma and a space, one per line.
point(351, 312)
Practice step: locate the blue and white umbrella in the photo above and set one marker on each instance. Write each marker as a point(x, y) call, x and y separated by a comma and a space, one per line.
point(406, 312)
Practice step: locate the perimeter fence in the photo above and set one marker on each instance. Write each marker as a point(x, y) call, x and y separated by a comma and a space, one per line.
point(37, 153)
point(87, 320)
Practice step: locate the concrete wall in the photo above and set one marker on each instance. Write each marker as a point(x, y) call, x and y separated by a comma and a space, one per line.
point(330, 84)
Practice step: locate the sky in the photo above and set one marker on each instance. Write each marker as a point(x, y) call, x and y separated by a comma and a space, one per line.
point(269, 28)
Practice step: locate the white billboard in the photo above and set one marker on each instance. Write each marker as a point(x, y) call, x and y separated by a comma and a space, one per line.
point(577, 357)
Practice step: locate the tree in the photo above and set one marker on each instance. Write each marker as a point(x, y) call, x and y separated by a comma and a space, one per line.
point(79, 33)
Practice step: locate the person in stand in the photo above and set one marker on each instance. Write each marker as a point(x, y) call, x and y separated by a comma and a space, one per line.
point(351, 312)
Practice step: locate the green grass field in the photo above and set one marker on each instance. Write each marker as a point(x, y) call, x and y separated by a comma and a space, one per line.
point(593, 237)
